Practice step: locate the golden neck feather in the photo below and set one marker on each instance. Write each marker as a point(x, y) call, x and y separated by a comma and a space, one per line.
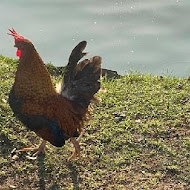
point(32, 79)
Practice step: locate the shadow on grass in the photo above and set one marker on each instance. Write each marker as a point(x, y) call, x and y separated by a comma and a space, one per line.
point(74, 175)
point(6, 146)
point(42, 175)
point(41, 172)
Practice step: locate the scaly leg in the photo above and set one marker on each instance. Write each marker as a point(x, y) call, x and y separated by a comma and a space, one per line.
point(76, 146)
point(40, 149)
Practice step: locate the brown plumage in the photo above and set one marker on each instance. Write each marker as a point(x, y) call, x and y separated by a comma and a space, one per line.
point(54, 116)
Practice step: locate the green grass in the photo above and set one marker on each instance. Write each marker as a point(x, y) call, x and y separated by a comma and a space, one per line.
point(139, 138)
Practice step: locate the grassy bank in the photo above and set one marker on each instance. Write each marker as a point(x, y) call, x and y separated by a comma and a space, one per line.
point(139, 138)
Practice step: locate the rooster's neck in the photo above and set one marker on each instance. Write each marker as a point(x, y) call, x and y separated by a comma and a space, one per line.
point(32, 80)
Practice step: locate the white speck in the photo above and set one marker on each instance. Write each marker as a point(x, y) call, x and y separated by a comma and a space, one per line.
point(73, 39)
point(15, 157)
point(91, 39)
point(12, 186)
point(132, 51)
point(95, 22)
point(31, 158)
point(137, 120)
point(5, 101)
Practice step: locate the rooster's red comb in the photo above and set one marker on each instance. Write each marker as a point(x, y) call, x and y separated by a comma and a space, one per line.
point(15, 34)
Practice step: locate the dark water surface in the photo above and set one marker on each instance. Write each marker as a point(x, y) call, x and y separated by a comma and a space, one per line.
point(149, 36)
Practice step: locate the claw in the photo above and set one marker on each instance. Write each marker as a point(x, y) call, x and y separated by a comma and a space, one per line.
point(26, 149)
point(39, 150)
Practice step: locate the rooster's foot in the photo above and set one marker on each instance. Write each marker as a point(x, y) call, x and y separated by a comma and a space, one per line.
point(39, 150)
point(75, 142)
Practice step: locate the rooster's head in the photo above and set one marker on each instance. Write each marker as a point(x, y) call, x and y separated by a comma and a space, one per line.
point(21, 43)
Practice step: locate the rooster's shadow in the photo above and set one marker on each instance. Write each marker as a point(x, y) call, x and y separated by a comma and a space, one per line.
point(42, 172)
point(74, 175)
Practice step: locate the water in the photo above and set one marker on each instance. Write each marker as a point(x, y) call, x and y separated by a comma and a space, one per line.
point(149, 36)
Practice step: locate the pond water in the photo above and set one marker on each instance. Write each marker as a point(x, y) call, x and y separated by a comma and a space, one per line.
point(149, 36)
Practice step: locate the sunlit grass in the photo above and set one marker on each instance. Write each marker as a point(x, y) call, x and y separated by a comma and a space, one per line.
point(139, 138)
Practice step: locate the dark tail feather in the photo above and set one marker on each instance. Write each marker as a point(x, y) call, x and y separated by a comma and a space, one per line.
point(75, 56)
point(81, 81)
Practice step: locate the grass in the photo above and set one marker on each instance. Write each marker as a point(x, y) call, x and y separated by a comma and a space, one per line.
point(139, 138)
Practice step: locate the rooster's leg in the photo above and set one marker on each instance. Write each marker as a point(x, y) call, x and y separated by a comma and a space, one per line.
point(77, 149)
point(76, 145)
point(40, 149)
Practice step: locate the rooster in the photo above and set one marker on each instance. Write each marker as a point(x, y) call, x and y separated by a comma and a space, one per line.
point(55, 116)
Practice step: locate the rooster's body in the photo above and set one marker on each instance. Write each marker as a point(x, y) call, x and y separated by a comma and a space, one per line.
point(54, 116)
